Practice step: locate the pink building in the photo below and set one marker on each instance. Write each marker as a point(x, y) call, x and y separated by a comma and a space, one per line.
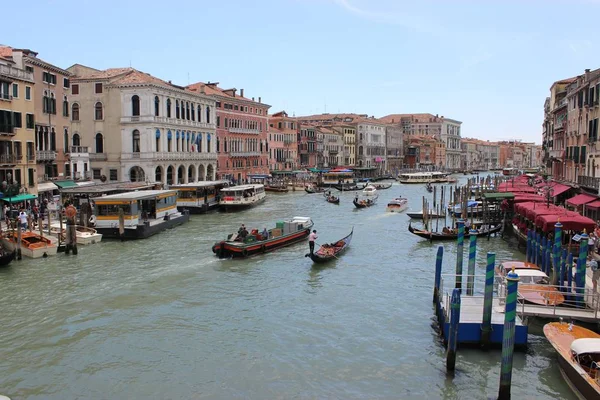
point(283, 143)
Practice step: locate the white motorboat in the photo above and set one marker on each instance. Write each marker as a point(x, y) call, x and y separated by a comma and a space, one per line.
point(397, 205)
point(84, 235)
point(370, 190)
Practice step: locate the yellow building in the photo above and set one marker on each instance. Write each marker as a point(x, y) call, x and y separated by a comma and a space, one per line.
point(17, 127)
point(349, 135)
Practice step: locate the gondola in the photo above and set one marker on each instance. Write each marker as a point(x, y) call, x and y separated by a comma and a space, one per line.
point(449, 236)
point(429, 187)
point(6, 257)
point(382, 186)
point(312, 189)
point(328, 252)
point(364, 203)
point(333, 200)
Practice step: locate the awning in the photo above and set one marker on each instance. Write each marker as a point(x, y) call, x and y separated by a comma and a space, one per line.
point(559, 188)
point(65, 184)
point(19, 198)
point(581, 199)
point(593, 204)
point(85, 183)
point(46, 187)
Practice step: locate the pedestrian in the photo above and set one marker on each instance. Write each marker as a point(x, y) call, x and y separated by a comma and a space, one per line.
point(593, 264)
point(23, 220)
point(311, 241)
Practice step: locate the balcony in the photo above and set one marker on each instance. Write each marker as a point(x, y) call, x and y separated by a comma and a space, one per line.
point(7, 130)
point(558, 154)
point(8, 159)
point(151, 119)
point(98, 157)
point(244, 154)
point(11, 72)
point(169, 156)
point(589, 182)
point(244, 130)
point(290, 160)
point(45, 155)
point(288, 142)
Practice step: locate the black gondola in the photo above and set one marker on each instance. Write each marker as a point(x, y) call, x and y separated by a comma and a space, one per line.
point(450, 236)
point(333, 200)
point(364, 203)
point(429, 187)
point(312, 189)
point(328, 252)
point(6, 257)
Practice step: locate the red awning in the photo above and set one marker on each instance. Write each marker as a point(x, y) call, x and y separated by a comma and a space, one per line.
point(527, 197)
point(570, 223)
point(559, 188)
point(593, 204)
point(581, 199)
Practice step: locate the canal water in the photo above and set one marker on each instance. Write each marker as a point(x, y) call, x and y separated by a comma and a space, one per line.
point(163, 318)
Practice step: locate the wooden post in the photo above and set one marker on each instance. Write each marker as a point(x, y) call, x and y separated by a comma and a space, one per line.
point(508, 336)
point(580, 275)
point(570, 276)
point(486, 325)
point(60, 224)
point(453, 330)
point(557, 251)
point(528, 247)
point(438, 274)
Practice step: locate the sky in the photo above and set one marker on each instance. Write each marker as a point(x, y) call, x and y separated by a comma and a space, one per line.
point(487, 63)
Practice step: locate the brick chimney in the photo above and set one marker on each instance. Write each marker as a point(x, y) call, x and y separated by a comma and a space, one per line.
point(242, 92)
point(259, 99)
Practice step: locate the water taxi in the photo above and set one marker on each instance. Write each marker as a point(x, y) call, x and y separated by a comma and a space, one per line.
point(370, 190)
point(425, 177)
point(243, 243)
point(199, 197)
point(32, 244)
point(534, 284)
point(242, 196)
point(84, 235)
point(578, 351)
point(143, 213)
point(397, 205)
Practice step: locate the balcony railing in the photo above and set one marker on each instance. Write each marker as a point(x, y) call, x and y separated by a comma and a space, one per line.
point(12, 72)
point(557, 154)
point(168, 156)
point(151, 119)
point(8, 159)
point(45, 155)
point(79, 149)
point(589, 181)
point(244, 130)
point(244, 154)
point(98, 157)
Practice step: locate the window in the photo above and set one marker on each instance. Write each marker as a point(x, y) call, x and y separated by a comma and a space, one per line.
point(218, 121)
point(207, 114)
point(15, 91)
point(135, 105)
point(98, 88)
point(49, 78)
point(168, 108)
point(75, 111)
point(193, 112)
point(76, 139)
point(176, 108)
point(113, 174)
point(187, 110)
point(158, 140)
point(75, 89)
point(29, 121)
point(156, 106)
point(199, 113)
point(31, 176)
point(65, 107)
point(18, 120)
point(66, 83)
point(27, 92)
point(96, 173)
point(99, 143)
point(53, 140)
point(135, 141)
point(66, 140)
point(52, 104)
point(98, 111)
point(29, 69)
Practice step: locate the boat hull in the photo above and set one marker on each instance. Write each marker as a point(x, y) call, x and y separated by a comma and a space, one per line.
point(241, 206)
point(419, 215)
point(225, 249)
point(395, 208)
point(320, 257)
point(441, 236)
point(49, 249)
point(145, 230)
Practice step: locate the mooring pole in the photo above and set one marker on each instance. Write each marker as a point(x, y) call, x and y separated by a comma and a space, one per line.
point(486, 325)
point(548, 257)
point(557, 251)
point(508, 336)
point(538, 250)
point(471, 268)
point(528, 247)
point(453, 330)
point(544, 245)
point(570, 276)
point(438, 274)
point(580, 275)
point(563, 269)
point(460, 253)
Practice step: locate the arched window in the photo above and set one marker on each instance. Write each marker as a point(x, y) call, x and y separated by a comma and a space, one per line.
point(65, 107)
point(156, 106)
point(199, 142)
point(360, 151)
point(76, 139)
point(207, 114)
point(52, 104)
point(169, 142)
point(135, 105)
point(75, 112)
point(158, 140)
point(176, 108)
point(66, 137)
point(208, 141)
point(193, 112)
point(187, 110)
point(99, 143)
point(98, 111)
point(135, 141)
point(53, 140)
point(168, 108)
point(199, 113)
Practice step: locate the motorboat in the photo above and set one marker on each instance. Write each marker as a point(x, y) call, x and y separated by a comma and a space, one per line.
point(84, 234)
point(533, 284)
point(369, 190)
point(32, 244)
point(243, 196)
point(397, 205)
point(578, 351)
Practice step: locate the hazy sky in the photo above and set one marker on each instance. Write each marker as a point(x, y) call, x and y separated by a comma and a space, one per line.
point(486, 63)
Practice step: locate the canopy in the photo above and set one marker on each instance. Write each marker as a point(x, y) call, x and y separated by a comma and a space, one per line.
point(558, 189)
point(581, 199)
point(586, 345)
point(529, 197)
point(593, 204)
point(65, 184)
point(498, 196)
point(18, 198)
point(531, 210)
point(570, 223)
point(46, 187)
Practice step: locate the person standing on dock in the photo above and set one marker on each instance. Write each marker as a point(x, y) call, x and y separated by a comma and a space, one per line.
point(311, 241)
point(23, 220)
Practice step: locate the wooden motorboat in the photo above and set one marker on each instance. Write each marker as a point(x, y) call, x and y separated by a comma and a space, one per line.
point(328, 252)
point(284, 234)
point(84, 235)
point(453, 235)
point(533, 286)
point(578, 351)
point(397, 205)
point(382, 186)
point(358, 203)
point(32, 244)
point(332, 199)
point(419, 214)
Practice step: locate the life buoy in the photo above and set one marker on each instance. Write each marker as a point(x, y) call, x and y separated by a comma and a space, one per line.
point(92, 220)
point(245, 252)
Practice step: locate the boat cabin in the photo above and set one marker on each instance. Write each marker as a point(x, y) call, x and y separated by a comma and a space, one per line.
point(199, 197)
point(507, 266)
point(337, 178)
point(586, 352)
point(243, 195)
point(423, 177)
point(532, 277)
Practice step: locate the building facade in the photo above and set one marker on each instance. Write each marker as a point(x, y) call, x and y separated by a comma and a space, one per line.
point(371, 143)
point(242, 132)
point(451, 137)
point(283, 143)
point(554, 129)
point(17, 126)
point(394, 147)
point(130, 126)
point(333, 146)
point(348, 132)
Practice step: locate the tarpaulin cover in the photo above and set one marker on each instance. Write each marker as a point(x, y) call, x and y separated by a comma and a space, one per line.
point(581, 199)
point(570, 223)
point(593, 204)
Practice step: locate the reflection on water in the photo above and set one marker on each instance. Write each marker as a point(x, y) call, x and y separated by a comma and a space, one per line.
point(164, 318)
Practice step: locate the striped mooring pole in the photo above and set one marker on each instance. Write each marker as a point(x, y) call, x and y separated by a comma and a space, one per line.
point(570, 276)
point(460, 253)
point(536, 249)
point(453, 330)
point(557, 251)
point(580, 275)
point(486, 324)
point(508, 336)
point(562, 271)
point(471, 267)
point(438, 273)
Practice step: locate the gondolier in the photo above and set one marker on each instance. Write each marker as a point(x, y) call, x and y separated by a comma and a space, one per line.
point(311, 240)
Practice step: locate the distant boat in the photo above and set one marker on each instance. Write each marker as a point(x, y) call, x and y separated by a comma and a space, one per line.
point(419, 214)
point(397, 205)
point(452, 235)
point(328, 252)
point(363, 203)
point(370, 190)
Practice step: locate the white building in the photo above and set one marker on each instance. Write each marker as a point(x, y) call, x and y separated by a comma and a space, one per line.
point(370, 143)
point(132, 126)
point(450, 135)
